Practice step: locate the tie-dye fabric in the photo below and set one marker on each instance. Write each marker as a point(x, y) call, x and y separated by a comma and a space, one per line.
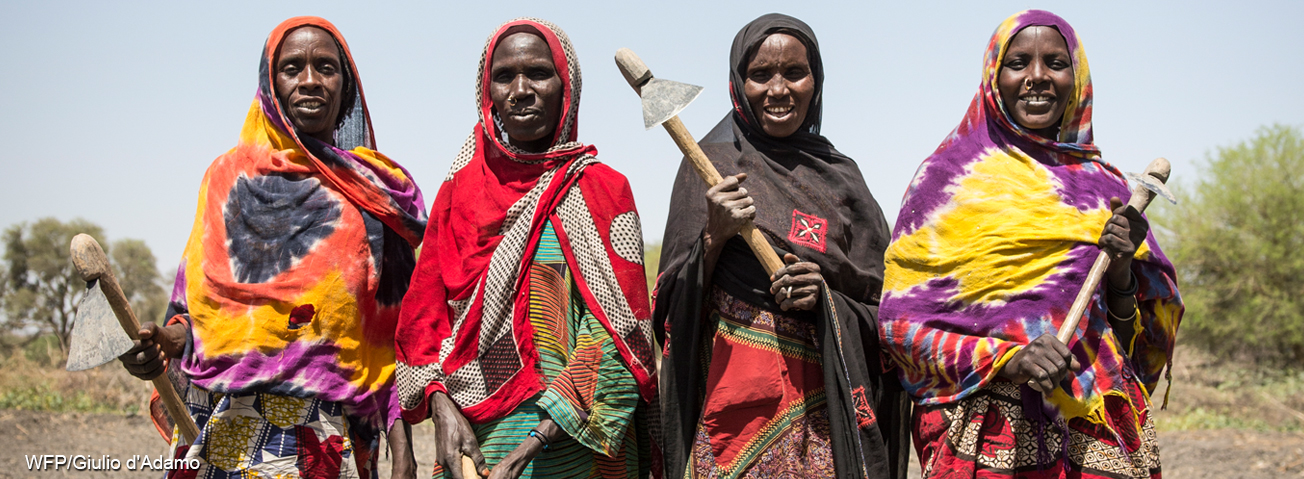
point(298, 258)
point(994, 239)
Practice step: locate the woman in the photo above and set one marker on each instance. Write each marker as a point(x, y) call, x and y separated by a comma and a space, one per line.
point(526, 335)
point(776, 376)
point(994, 240)
point(285, 305)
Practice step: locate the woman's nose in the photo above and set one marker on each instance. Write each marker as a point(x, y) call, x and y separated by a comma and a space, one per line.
point(520, 87)
point(1038, 72)
point(310, 79)
point(778, 86)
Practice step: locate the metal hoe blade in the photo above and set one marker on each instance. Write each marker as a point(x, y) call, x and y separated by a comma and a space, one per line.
point(663, 99)
point(1153, 184)
point(97, 336)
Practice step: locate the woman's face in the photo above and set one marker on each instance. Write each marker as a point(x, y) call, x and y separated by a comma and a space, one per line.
point(526, 90)
point(310, 82)
point(1036, 79)
point(780, 85)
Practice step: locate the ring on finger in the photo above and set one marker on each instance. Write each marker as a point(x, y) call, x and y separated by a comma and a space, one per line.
point(787, 292)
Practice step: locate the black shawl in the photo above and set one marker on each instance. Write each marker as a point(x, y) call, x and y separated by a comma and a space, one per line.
point(812, 201)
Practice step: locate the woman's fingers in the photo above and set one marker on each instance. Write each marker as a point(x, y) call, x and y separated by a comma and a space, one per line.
point(148, 330)
point(801, 298)
point(794, 267)
point(1037, 377)
point(1047, 361)
point(742, 202)
point(472, 450)
point(797, 284)
point(795, 281)
point(452, 462)
point(738, 205)
point(726, 184)
point(144, 360)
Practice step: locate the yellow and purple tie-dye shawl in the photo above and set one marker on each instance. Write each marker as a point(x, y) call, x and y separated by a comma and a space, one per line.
point(994, 239)
point(299, 256)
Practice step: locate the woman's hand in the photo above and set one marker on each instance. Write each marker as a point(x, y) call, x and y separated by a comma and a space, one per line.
point(797, 284)
point(1042, 364)
point(403, 463)
point(512, 466)
point(728, 208)
point(1123, 234)
point(145, 359)
point(454, 437)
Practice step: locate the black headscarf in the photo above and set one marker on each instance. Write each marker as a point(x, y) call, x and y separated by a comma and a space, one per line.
point(800, 173)
point(798, 182)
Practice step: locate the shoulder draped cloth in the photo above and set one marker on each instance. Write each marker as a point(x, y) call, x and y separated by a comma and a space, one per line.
point(299, 255)
point(811, 200)
point(995, 237)
point(465, 328)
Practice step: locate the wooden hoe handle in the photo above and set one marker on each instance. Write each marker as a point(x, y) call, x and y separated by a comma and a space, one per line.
point(1141, 197)
point(637, 74)
point(468, 468)
point(89, 259)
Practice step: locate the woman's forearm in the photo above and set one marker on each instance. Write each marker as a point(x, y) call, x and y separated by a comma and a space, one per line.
point(400, 444)
point(712, 247)
point(1122, 308)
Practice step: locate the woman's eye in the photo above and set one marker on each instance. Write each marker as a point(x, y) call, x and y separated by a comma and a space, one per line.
point(1015, 64)
point(540, 75)
point(290, 70)
point(796, 74)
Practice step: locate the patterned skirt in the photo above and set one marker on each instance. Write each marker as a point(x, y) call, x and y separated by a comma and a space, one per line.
point(268, 435)
point(987, 435)
point(765, 413)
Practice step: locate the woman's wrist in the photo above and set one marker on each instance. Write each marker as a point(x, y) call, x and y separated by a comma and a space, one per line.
point(1119, 276)
point(173, 340)
point(712, 242)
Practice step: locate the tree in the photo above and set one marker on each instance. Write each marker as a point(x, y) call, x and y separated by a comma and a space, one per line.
point(42, 287)
point(137, 273)
point(1236, 237)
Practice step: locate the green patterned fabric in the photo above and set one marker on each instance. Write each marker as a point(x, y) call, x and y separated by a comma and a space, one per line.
point(591, 394)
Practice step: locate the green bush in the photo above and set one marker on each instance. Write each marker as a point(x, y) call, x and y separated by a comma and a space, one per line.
point(1236, 237)
point(651, 261)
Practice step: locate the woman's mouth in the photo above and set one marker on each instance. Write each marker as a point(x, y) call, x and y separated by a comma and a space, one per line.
point(779, 112)
point(310, 106)
point(1037, 102)
point(525, 114)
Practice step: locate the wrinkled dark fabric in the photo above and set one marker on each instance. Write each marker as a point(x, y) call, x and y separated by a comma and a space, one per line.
point(802, 174)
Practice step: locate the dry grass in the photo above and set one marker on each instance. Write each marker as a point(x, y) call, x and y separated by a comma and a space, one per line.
point(42, 385)
point(1212, 394)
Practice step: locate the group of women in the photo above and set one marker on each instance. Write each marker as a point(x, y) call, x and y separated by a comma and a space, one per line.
point(304, 326)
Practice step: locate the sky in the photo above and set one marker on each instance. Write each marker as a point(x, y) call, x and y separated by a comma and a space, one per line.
point(115, 109)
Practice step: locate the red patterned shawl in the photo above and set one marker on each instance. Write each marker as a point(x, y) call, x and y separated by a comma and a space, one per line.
point(464, 327)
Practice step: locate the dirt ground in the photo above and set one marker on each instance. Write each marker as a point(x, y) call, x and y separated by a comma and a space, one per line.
point(1187, 454)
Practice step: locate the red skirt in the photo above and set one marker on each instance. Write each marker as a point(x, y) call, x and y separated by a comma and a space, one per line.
point(765, 413)
point(986, 435)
